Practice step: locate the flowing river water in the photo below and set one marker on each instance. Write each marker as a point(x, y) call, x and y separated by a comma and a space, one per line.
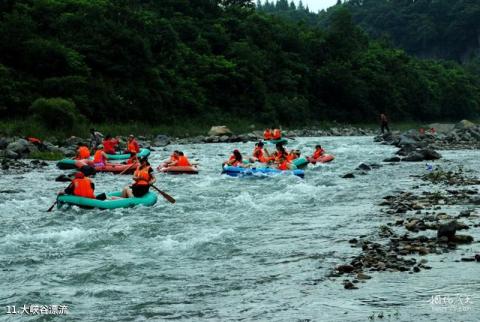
point(252, 249)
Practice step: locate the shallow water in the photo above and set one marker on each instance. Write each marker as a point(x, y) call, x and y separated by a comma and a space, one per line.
point(229, 249)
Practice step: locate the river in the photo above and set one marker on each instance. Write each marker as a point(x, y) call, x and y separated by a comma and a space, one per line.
point(251, 249)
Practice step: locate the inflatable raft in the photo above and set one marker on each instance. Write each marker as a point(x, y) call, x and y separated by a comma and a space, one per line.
point(124, 156)
point(322, 159)
point(178, 170)
point(300, 162)
point(109, 167)
point(148, 199)
point(239, 171)
point(281, 141)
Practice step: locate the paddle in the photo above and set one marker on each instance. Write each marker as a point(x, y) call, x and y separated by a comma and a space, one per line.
point(131, 165)
point(51, 207)
point(164, 194)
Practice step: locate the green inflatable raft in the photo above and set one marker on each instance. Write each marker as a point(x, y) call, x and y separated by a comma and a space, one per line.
point(124, 156)
point(281, 141)
point(148, 199)
point(300, 163)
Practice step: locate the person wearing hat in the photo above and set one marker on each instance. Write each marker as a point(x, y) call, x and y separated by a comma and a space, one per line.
point(143, 177)
point(99, 158)
point(81, 186)
point(132, 145)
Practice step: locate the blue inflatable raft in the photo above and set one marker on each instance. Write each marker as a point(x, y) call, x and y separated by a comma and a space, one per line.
point(239, 171)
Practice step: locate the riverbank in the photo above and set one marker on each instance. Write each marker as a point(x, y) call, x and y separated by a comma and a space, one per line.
point(424, 219)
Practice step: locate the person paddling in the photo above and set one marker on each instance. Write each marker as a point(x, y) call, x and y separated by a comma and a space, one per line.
point(99, 158)
point(235, 159)
point(283, 164)
point(83, 152)
point(260, 154)
point(110, 144)
point(81, 186)
point(132, 145)
point(143, 177)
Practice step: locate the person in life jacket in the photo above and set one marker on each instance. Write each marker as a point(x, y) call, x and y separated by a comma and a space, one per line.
point(81, 186)
point(283, 164)
point(82, 152)
point(143, 177)
point(133, 158)
point(280, 153)
point(294, 154)
point(235, 159)
point(110, 145)
point(277, 134)
point(132, 145)
point(319, 151)
point(182, 160)
point(99, 158)
point(260, 154)
point(173, 159)
point(267, 134)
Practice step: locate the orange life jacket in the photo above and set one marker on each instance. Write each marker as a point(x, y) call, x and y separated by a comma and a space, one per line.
point(277, 134)
point(83, 188)
point(144, 176)
point(99, 157)
point(132, 159)
point(110, 145)
point(267, 135)
point(83, 153)
point(133, 147)
point(233, 161)
point(283, 165)
point(291, 157)
point(318, 153)
point(183, 161)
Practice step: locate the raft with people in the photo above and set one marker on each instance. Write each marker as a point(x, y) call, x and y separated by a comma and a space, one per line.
point(67, 164)
point(114, 200)
point(322, 159)
point(235, 171)
point(179, 169)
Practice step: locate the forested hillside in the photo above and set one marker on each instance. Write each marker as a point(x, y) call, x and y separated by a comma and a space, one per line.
point(166, 61)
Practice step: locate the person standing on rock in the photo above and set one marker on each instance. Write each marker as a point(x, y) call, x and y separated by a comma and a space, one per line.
point(96, 139)
point(384, 123)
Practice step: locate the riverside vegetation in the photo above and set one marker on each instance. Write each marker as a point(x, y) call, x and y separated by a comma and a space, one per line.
point(70, 62)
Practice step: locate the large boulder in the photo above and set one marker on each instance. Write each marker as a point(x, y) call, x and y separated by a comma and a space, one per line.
point(414, 156)
point(3, 143)
point(19, 146)
point(442, 128)
point(464, 124)
point(73, 141)
point(219, 131)
point(447, 230)
point(161, 140)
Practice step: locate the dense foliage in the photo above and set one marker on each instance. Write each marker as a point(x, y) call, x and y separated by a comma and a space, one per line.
point(165, 61)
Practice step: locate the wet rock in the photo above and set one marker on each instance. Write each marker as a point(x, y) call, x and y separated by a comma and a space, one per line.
point(3, 143)
point(345, 268)
point(463, 239)
point(348, 176)
point(413, 157)
point(447, 230)
point(477, 257)
point(161, 140)
point(392, 159)
point(464, 124)
point(416, 269)
point(19, 146)
point(430, 154)
point(349, 285)
point(362, 276)
point(219, 131)
point(353, 241)
point(468, 259)
point(475, 200)
point(363, 167)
